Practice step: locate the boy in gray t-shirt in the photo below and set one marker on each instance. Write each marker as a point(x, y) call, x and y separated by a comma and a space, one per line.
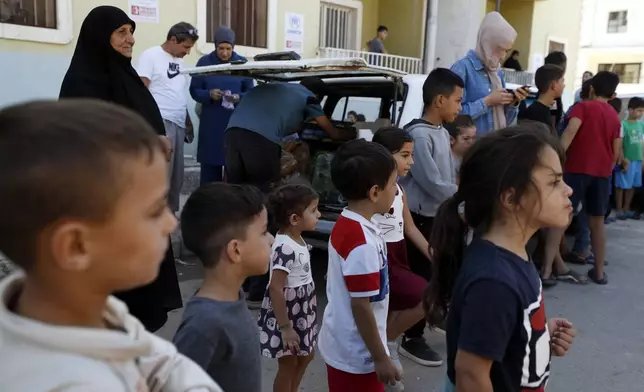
point(226, 227)
point(376, 45)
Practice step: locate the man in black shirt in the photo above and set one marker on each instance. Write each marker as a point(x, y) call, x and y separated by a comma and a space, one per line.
point(559, 59)
point(550, 82)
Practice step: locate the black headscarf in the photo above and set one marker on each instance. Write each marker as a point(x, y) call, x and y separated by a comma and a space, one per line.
point(99, 71)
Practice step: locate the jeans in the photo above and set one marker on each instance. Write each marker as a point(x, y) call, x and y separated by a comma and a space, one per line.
point(582, 238)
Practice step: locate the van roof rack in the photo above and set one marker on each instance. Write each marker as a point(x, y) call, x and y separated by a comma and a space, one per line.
point(277, 56)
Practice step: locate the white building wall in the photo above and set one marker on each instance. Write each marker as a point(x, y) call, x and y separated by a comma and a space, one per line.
point(458, 25)
point(598, 46)
point(594, 29)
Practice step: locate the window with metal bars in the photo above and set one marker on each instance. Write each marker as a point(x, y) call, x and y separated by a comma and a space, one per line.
point(34, 13)
point(617, 22)
point(337, 27)
point(247, 18)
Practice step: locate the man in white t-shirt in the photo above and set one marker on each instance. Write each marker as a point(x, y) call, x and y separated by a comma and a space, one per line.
point(159, 69)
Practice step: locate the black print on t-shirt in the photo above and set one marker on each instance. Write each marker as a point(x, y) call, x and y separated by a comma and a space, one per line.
point(173, 70)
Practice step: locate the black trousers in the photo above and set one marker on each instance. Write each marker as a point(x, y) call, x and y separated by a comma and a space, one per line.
point(419, 265)
point(253, 160)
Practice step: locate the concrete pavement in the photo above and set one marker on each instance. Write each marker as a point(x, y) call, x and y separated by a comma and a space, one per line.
point(608, 355)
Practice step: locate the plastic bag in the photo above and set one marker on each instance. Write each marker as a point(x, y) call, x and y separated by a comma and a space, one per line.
point(321, 180)
point(295, 158)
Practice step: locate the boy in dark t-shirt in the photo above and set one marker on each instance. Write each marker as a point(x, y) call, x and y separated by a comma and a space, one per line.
point(560, 60)
point(550, 82)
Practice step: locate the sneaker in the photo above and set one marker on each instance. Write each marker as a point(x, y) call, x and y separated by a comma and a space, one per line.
point(253, 303)
point(395, 358)
point(185, 263)
point(440, 328)
point(397, 387)
point(419, 351)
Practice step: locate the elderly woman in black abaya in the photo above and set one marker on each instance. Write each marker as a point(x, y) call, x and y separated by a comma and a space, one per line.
point(101, 68)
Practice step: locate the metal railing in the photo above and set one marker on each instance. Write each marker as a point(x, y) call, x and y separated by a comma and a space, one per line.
point(410, 65)
point(518, 77)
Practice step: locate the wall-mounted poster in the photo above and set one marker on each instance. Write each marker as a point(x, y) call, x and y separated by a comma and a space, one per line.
point(144, 10)
point(294, 32)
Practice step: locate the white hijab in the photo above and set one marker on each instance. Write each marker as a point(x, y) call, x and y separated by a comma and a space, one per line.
point(494, 32)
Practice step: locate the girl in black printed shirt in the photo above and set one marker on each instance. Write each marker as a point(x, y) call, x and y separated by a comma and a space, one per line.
point(498, 338)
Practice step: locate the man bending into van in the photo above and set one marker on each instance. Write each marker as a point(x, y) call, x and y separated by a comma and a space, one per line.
point(253, 139)
point(267, 114)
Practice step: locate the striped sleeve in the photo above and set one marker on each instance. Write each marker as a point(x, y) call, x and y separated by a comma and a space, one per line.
point(361, 271)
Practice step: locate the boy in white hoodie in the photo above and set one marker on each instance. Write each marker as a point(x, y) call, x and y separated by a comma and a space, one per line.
point(83, 192)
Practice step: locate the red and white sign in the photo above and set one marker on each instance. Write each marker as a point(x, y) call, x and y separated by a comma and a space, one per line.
point(144, 10)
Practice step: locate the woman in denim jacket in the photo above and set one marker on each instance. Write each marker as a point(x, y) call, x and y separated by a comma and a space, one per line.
point(485, 98)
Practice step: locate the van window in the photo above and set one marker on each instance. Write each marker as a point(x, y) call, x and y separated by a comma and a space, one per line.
point(368, 107)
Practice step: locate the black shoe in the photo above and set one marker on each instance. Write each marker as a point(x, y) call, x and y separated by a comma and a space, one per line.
point(440, 328)
point(254, 302)
point(548, 282)
point(419, 351)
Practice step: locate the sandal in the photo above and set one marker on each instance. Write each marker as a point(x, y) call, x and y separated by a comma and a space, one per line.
point(593, 276)
point(550, 281)
point(574, 258)
point(571, 276)
point(590, 260)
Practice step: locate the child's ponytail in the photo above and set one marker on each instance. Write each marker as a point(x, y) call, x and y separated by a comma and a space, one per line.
point(447, 242)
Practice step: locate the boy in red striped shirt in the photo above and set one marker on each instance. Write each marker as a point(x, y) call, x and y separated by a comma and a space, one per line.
point(353, 339)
